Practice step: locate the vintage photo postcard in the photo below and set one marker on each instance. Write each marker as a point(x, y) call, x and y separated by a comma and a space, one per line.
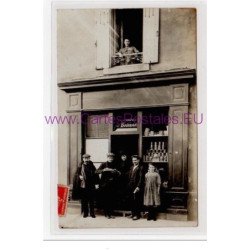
point(127, 120)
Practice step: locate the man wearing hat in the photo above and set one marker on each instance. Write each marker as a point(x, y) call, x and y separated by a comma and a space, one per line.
point(108, 184)
point(135, 187)
point(84, 185)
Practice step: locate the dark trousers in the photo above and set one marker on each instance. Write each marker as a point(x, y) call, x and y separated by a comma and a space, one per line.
point(135, 203)
point(151, 212)
point(87, 201)
point(107, 201)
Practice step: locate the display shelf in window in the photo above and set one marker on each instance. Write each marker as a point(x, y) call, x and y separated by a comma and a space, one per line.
point(156, 152)
point(155, 135)
point(161, 131)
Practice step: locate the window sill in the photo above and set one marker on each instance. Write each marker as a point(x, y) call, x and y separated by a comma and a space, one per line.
point(126, 69)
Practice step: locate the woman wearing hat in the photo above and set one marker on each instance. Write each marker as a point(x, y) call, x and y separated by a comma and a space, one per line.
point(124, 165)
point(108, 181)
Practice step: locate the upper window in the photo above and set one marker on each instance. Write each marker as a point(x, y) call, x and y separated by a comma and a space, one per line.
point(126, 36)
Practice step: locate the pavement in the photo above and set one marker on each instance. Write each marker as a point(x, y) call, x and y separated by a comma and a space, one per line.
point(74, 220)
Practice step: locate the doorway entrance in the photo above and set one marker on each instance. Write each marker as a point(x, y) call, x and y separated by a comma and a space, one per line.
point(128, 144)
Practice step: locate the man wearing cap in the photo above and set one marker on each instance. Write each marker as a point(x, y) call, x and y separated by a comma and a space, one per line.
point(108, 184)
point(135, 187)
point(84, 184)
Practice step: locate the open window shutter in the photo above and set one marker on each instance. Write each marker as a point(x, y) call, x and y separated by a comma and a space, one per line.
point(150, 35)
point(103, 18)
point(114, 36)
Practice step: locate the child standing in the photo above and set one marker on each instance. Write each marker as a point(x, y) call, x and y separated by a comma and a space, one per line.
point(152, 191)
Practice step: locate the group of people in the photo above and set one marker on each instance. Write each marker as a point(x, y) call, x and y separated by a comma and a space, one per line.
point(139, 186)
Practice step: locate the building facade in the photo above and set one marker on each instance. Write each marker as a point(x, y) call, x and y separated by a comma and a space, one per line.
point(157, 79)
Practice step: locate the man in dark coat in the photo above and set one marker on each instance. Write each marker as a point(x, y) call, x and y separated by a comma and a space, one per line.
point(108, 184)
point(84, 185)
point(135, 187)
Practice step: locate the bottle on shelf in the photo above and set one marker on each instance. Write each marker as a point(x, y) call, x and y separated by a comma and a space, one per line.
point(156, 156)
point(146, 132)
point(161, 158)
point(166, 157)
point(151, 158)
point(155, 146)
point(156, 152)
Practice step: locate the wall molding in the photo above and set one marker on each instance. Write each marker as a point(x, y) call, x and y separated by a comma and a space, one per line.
point(131, 80)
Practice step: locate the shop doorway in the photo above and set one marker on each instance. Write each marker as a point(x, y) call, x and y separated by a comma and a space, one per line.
point(128, 144)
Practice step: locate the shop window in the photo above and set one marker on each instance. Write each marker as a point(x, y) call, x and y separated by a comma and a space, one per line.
point(139, 26)
point(96, 125)
point(98, 149)
point(95, 136)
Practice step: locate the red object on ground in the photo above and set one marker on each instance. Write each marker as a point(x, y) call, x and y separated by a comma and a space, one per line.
point(62, 193)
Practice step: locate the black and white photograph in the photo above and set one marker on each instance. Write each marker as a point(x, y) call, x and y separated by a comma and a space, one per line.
point(127, 117)
point(104, 130)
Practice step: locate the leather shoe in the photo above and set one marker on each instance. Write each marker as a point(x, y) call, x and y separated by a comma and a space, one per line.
point(135, 218)
point(111, 217)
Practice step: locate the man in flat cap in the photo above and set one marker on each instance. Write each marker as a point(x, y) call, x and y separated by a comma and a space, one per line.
point(84, 185)
point(135, 187)
point(108, 184)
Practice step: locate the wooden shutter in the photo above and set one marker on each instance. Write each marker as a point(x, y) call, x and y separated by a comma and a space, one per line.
point(178, 142)
point(103, 21)
point(150, 35)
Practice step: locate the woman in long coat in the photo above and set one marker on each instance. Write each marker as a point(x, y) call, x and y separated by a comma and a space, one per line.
point(152, 191)
point(108, 184)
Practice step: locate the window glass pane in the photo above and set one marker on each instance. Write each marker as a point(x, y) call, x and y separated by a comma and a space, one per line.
point(97, 127)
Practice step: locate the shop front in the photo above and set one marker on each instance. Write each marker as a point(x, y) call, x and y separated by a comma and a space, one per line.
point(137, 114)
